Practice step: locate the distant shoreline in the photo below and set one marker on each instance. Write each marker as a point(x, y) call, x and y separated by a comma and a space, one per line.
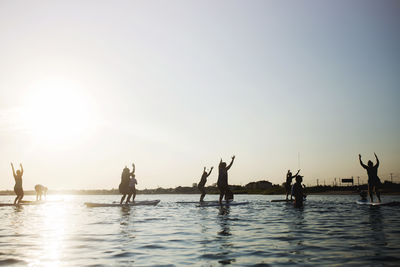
point(95, 192)
point(254, 188)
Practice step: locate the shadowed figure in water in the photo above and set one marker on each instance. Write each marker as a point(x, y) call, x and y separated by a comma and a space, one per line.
point(40, 191)
point(223, 179)
point(203, 182)
point(298, 192)
point(124, 185)
point(132, 185)
point(288, 184)
point(373, 180)
point(19, 191)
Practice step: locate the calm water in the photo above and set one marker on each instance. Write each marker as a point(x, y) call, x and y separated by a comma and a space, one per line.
point(329, 230)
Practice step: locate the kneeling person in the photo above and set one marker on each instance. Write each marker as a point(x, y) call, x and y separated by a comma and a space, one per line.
point(40, 190)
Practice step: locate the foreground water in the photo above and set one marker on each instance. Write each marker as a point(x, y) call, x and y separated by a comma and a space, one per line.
point(329, 230)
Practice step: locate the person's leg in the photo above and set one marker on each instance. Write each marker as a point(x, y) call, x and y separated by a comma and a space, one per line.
point(287, 191)
point(129, 198)
point(122, 198)
point(134, 195)
point(15, 200)
point(20, 196)
point(378, 194)
point(203, 194)
point(37, 196)
point(370, 193)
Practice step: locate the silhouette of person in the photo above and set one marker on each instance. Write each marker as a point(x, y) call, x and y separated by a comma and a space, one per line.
point(124, 185)
point(19, 191)
point(132, 185)
point(288, 184)
point(40, 190)
point(223, 178)
point(298, 192)
point(203, 182)
point(373, 180)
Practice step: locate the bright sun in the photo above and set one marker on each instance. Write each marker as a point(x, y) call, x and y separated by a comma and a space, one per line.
point(57, 113)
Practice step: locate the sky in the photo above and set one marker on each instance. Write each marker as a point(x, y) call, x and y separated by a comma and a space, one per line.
point(89, 87)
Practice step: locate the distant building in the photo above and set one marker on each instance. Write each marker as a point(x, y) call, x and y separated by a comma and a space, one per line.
point(259, 185)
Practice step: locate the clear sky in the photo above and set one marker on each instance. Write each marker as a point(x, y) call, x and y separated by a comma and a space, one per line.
point(87, 87)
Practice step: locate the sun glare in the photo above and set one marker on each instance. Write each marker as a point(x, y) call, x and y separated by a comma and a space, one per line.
point(57, 113)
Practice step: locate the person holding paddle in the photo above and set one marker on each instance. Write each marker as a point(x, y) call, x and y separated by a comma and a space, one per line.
point(19, 191)
point(223, 179)
point(288, 184)
point(373, 180)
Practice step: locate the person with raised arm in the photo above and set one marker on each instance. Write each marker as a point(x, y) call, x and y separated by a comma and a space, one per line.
point(373, 180)
point(203, 182)
point(132, 185)
point(223, 178)
point(19, 191)
point(288, 184)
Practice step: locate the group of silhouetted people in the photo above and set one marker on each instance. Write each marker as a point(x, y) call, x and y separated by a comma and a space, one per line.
point(297, 190)
point(222, 182)
point(374, 183)
point(127, 187)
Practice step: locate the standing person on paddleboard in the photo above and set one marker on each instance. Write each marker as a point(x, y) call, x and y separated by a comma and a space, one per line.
point(132, 185)
point(202, 183)
point(124, 185)
point(288, 184)
point(373, 180)
point(19, 191)
point(223, 178)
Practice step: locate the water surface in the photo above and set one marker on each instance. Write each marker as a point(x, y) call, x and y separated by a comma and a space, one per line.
point(329, 230)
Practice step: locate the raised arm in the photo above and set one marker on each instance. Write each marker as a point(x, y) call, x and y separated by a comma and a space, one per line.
point(22, 169)
point(297, 173)
point(230, 164)
point(133, 168)
point(210, 171)
point(377, 161)
point(12, 166)
point(362, 164)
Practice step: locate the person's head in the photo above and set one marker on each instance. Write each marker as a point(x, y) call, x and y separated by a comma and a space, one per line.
point(18, 172)
point(222, 165)
point(299, 179)
point(370, 164)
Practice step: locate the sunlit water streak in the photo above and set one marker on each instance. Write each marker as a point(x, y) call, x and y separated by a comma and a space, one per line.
point(329, 230)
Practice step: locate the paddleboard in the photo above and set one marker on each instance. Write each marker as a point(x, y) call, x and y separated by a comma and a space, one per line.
point(136, 203)
point(216, 204)
point(23, 203)
point(392, 203)
point(196, 202)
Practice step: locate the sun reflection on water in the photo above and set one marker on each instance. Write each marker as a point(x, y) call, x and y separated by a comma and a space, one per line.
point(52, 223)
